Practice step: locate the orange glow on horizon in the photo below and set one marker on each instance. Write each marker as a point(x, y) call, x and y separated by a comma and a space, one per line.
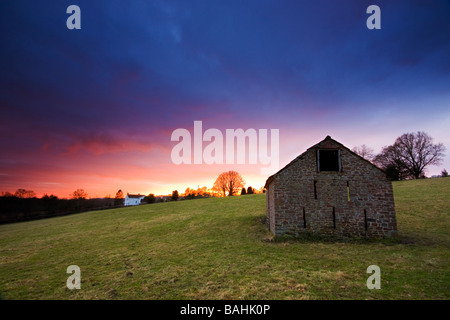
point(104, 190)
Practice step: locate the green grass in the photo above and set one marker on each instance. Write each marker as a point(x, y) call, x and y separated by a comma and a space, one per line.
point(218, 249)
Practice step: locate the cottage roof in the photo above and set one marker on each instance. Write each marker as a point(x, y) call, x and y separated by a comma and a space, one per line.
point(135, 196)
point(318, 145)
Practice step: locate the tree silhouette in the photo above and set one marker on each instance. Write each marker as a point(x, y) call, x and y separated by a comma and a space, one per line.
point(49, 197)
point(411, 154)
point(390, 161)
point(229, 183)
point(250, 190)
point(23, 194)
point(79, 194)
point(6, 194)
point(243, 191)
point(118, 199)
point(175, 195)
point(119, 194)
point(150, 198)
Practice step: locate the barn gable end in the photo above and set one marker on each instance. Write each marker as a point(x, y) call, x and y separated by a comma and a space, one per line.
point(330, 190)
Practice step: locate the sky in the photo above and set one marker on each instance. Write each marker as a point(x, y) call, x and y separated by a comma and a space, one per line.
point(95, 108)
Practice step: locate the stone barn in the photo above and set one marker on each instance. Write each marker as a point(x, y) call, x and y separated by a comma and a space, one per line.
point(330, 190)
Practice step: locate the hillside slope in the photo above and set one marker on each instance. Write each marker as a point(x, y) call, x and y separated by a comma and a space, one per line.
point(218, 249)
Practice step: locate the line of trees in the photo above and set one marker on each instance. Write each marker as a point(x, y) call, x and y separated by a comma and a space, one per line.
point(198, 193)
point(249, 190)
point(227, 184)
point(20, 194)
point(408, 157)
point(23, 205)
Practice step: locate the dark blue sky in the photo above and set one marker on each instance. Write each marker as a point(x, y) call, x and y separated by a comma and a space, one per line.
point(101, 102)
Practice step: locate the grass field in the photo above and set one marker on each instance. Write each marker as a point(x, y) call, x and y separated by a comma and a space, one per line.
point(217, 249)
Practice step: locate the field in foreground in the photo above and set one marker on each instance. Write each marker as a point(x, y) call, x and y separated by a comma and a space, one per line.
point(218, 249)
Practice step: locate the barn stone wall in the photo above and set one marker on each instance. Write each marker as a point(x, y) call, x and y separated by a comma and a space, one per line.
point(270, 208)
point(363, 209)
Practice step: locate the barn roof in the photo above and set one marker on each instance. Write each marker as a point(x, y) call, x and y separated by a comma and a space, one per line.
point(317, 145)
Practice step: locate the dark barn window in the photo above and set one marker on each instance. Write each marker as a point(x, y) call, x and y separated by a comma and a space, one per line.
point(328, 160)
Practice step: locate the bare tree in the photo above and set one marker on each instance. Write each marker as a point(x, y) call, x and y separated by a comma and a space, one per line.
point(220, 185)
point(418, 151)
point(22, 193)
point(365, 152)
point(79, 194)
point(411, 154)
point(230, 183)
point(390, 161)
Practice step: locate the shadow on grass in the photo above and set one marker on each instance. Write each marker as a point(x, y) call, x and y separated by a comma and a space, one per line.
point(309, 237)
point(402, 239)
point(421, 240)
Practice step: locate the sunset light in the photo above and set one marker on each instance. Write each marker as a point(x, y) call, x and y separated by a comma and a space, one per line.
point(227, 156)
point(95, 108)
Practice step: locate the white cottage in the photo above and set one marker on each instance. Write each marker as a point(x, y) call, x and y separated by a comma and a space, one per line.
point(133, 199)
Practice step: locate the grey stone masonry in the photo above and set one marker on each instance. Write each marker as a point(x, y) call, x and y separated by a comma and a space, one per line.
point(330, 190)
